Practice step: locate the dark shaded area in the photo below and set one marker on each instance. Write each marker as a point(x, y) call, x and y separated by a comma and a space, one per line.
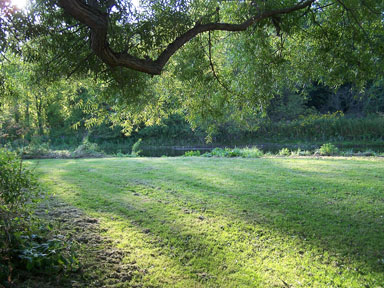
point(100, 262)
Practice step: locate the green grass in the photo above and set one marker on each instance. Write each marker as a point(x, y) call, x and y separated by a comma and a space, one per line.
point(216, 222)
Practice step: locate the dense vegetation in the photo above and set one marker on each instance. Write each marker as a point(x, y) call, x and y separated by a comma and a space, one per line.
point(289, 64)
point(28, 247)
point(62, 120)
point(87, 78)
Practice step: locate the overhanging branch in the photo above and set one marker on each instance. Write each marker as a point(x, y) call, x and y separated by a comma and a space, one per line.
point(98, 24)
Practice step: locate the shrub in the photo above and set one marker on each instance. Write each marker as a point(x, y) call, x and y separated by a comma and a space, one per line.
point(252, 152)
point(120, 154)
point(236, 152)
point(17, 187)
point(296, 153)
point(43, 255)
point(218, 152)
point(284, 152)
point(247, 152)
point(328, 149)
point(192, 153)
point(348, 153)
point(87, 149)
point(366, 153)
point(21, 247)
point(35, 150)
point(305, 153)
point(136, 148)
point(17, 184)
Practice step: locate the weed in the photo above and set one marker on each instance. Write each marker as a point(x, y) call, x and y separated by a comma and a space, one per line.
point(23, 244)
point(136, 148)
point(87, 149)
point(192, 153)
point(328, 149)
point(284, 152)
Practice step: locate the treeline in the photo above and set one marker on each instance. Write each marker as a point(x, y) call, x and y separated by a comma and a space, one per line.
point(67, 115)
point(58, 121)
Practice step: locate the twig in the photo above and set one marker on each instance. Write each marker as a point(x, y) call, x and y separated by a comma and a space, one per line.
point(213, 67)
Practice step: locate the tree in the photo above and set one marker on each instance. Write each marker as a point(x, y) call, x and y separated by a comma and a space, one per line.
point(30, 106)
point(92, 16)
point(262, 48)
point(146, 40)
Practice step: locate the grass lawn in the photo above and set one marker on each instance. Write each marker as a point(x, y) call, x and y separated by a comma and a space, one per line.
point(216, 222)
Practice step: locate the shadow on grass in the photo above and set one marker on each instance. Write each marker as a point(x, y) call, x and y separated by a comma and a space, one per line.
point(338, 215)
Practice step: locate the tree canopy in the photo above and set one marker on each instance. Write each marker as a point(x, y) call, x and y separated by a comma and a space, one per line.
point(216, 58)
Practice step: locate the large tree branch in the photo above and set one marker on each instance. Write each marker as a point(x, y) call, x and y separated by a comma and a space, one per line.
point(98, 24)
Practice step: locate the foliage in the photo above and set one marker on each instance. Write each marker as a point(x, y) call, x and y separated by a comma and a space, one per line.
point(300, 152)
point(251, 152)
point(120, 154)
point(216, 76)
point(284, 152)
point(171, 130)
point(35, 150)
point(17, 184)
point(246, 152)
point(61, 113)
point(323, 127)
point(136, 148)
point(39, 254)
point(87, 149)
point(366, 153)
point(192, 153)
point(24, 243)
point(328, 149)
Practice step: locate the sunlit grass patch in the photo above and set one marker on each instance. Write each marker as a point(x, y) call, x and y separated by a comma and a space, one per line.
point(216, 222)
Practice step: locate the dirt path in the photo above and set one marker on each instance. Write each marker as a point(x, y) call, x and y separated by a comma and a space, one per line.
point(101, 264)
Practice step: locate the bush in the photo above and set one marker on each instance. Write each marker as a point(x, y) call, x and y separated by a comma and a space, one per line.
point(348, 153)
point(247, 152)
point(296, 153)
point(366, 153)
point(252, 152)
point(192, 153)
point(328, 149)
point(300, 152)
point(17, 184)
point(39, 254)
point(21, 247)
point(218, 152)
point(120, 154)
point(87, 149)
point(284, 152)
point(136, 148)
point(233, 152)
point(18, 187)
point(226, 152)
point(305, 153)
point(35, 150)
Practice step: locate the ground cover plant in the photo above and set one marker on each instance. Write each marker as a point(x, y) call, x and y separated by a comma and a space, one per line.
point(28, 247)
point(219, 222)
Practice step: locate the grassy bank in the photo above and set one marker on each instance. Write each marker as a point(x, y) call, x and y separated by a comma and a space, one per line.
point(216, 222)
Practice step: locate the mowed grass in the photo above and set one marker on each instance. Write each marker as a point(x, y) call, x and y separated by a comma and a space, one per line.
point(214, 222)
